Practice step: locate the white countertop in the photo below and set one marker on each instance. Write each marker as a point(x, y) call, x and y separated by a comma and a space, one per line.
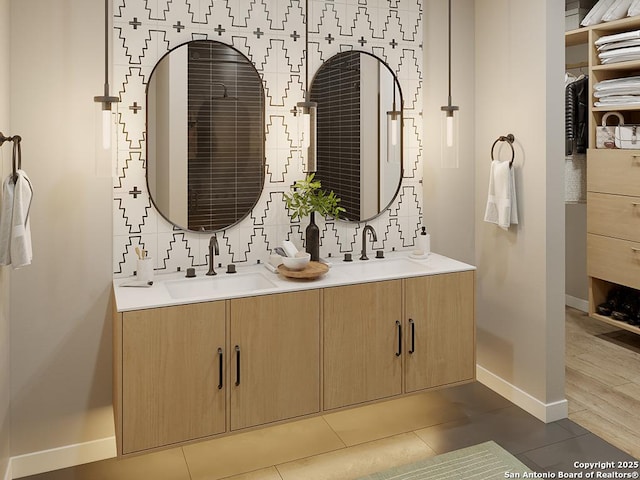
point(395, 265)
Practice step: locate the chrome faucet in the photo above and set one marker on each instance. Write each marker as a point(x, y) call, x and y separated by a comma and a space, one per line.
point(367, 228)
point(213, 249)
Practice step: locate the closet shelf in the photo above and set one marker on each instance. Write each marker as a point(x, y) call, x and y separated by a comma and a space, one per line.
point(633, 65)
point(617, 108)
point(616, 323)
point(613, 189)
point(576, 37)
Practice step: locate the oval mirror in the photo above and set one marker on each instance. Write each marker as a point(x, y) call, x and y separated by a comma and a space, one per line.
point(359, 139)
point(205, 136)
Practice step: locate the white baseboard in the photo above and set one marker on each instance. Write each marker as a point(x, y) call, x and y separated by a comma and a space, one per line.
point(547, 412)
point(577, 303)
point(62, 457)
point(8, 474)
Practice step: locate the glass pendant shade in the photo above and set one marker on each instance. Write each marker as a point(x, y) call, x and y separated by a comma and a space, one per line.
point(103, 130)
point(106, 128)
point(393, 127)
point(394, 124)
point(449, 141)
point(307, 142)
point(105, 137)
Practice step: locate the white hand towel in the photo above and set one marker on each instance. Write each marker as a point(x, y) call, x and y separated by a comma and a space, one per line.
point(502, 208)
point(21, 252)
point(6, 216)
point(15, 233)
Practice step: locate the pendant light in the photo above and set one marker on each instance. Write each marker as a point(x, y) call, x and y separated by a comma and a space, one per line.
point(106, 99)
point(307, 112)
point(394, 118)
point(449, 129)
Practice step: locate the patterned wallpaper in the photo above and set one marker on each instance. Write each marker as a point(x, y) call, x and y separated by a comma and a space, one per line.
point(271, 34)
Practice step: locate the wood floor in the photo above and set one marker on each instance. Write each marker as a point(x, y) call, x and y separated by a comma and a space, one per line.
point(603, 380)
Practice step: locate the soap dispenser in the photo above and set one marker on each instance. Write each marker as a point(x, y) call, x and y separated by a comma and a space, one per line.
point(423, 244)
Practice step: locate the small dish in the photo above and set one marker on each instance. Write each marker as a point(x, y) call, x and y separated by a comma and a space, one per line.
point(312, 271)
point(299, 262)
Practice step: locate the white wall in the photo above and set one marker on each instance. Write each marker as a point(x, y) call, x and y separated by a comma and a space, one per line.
point(449, 193)
point(519, 89)
point(5, 168)
point(511, 82)
point(60, 312)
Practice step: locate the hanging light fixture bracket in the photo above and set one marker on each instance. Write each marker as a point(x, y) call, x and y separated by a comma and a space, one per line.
point(305, 106)
point(306, 110)
point(107, 99)
point(449, 108)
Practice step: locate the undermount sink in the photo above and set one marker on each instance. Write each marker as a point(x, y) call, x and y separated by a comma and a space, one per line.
point(395, 266)
point(222, 284)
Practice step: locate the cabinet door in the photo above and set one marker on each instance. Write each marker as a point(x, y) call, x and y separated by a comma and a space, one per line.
point(171, 375)
point(361, 342)
point(440, 333)
point(275, 341)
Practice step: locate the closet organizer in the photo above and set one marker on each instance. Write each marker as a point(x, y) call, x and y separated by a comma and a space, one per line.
point(613, 178)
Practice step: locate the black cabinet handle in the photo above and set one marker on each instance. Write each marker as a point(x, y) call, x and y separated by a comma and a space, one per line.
point(399, 325)
point(220, 362)
point(413, 336)
point(237, 365)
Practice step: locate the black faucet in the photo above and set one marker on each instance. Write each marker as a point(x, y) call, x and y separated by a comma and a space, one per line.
point(213, 249)
point(364, 240)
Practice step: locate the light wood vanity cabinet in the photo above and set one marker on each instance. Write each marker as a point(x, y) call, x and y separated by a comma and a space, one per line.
point(373, 332)
point(194, 371)
point(171, 375)
point(275, 341)
point(174, 367)
point(440, 333)
point(361, 339)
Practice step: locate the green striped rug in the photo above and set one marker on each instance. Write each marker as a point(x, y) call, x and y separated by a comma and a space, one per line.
point(486, 461)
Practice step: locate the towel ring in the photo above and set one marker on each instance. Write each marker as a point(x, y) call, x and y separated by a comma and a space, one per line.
point(16, 155)
point(509, 139)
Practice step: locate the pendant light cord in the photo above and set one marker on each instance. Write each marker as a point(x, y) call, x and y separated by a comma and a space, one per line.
point(449, 52)
point(106, 99)
point(306, 51)
point(449, 108)
point(106, 47)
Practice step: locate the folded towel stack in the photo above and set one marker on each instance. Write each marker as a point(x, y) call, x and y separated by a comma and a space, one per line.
point(15, 232)
point(617, 92)
point(619, 47)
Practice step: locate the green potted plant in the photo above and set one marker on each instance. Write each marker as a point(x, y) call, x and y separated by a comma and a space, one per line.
point(306, 198)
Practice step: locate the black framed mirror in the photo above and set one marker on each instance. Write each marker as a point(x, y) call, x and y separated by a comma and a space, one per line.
point(359, 132)
point(205, 136)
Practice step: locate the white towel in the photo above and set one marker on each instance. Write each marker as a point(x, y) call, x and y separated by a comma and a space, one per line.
point(6, 215)
point(502, 208)
point(15, 232)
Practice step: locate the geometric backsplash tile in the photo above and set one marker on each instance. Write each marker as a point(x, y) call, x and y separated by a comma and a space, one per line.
point(271, 34)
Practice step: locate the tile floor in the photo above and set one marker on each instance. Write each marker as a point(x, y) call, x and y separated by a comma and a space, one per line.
point(349, 444)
